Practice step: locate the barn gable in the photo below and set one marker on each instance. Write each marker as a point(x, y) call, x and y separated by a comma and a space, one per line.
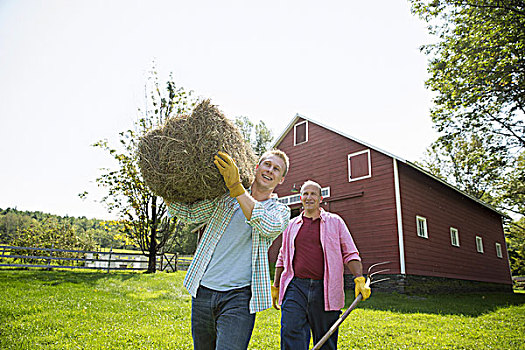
point(384, 199)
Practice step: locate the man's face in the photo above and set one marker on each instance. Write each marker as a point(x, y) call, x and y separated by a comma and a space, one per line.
point(311, 198)
point(269, 172)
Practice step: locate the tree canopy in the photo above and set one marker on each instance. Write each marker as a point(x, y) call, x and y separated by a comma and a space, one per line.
point(477, 67)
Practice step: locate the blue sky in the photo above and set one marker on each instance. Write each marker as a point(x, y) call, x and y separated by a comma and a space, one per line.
point(73, 72)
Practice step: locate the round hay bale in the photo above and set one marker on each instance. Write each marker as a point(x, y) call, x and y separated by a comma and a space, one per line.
point(176, 159)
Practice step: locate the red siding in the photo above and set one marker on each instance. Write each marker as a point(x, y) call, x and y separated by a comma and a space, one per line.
point(366, 205)
point(444, 207)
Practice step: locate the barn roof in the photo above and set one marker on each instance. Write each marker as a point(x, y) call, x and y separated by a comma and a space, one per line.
point(411, 164)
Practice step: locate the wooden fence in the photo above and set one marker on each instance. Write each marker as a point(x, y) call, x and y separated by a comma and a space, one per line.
point(51, 258)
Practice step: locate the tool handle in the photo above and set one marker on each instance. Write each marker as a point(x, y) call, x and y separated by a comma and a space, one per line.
point(338, 323)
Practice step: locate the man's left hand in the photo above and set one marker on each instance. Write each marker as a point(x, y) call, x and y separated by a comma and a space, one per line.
point(275, 297)
point(230, 173)
point(362, 288)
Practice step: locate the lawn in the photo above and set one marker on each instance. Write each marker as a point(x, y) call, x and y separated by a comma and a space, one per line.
point(123, 310)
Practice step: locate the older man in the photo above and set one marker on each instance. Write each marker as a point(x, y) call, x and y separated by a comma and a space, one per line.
point(229, 278)
point(309, 273)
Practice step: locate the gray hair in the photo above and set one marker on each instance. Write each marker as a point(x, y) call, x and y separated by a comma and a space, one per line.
point(311, 183)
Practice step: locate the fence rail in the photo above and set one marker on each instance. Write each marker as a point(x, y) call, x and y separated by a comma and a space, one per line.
point(85, 259)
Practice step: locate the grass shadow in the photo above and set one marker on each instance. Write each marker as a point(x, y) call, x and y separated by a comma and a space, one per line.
point(472, 305)
point(55, 278)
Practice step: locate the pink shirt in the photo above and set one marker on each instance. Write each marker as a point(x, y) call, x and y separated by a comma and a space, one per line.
point(338, 248)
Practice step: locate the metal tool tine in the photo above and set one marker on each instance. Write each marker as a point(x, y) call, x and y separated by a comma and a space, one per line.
point(376, 272)
point(381, 280)
point(377, 264)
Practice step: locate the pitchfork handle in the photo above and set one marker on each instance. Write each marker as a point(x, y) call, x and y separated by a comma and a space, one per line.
point(338, 323)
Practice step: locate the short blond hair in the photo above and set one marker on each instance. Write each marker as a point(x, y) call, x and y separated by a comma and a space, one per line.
point(280, 154)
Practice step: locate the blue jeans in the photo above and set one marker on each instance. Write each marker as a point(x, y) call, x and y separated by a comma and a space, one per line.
point(302, 310)
point(221, 320)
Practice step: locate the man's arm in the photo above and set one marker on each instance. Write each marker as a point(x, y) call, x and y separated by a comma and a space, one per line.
point(277, 278)
point(247, 203)
point(355, 267)
point(267, 222)
point(275, 287)
point(192, 213)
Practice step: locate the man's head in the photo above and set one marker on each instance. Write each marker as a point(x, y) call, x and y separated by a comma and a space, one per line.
point(279, 154)
point(272, 168)
point(311, 196)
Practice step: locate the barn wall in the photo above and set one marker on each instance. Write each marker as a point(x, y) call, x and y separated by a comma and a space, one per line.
point(444, 207)
point(367, 205)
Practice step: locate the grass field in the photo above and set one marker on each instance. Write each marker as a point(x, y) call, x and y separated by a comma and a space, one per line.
point(95, 310)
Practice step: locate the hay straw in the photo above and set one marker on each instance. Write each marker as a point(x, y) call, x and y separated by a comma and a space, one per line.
point(176, 160)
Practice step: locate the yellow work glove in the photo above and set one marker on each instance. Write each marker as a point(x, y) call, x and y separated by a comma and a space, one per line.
point(230, 173)
point(362, 288)
point(275, 297)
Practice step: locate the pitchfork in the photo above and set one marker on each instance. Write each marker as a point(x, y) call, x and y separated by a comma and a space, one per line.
point(369, 282)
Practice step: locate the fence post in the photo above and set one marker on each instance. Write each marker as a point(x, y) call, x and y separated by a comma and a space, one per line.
point(161, 261)
point(109, 259)
point(50, 256)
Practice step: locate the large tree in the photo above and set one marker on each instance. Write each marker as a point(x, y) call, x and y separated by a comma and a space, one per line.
point(477, 70)
point(143, 215)
point(477, 66)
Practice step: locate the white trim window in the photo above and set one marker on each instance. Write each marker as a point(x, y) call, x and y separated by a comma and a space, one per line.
point(359, 165)
point(499, 253)
point(296, 198)
point(479, 244)
point(421, 224)
point(300, 133)
point(454, 237)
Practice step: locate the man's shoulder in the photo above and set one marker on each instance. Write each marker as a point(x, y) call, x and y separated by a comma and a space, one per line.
point(331, 216)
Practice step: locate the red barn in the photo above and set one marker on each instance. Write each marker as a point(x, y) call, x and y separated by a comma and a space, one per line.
point(434, 235)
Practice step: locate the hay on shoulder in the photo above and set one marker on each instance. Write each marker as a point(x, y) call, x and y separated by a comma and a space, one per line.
point(176, 159)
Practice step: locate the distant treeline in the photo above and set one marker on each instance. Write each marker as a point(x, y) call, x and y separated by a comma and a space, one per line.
point(38, 229)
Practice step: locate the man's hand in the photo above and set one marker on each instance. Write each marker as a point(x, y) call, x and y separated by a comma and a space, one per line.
point(362, 288)
point(230, 173)
point(275, 297)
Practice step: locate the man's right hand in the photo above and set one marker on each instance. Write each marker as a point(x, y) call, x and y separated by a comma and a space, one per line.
point(275, 297)
point(230, 173)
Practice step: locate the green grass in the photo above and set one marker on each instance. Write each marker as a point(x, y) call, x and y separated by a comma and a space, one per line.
point(123, 310)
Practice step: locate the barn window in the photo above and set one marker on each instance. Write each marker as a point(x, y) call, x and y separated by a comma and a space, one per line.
point(498, 250)
point(479, 244)
point(421, 226)
point(359, 165)
point(300, 133)
point(454, 237)
point(296, 198)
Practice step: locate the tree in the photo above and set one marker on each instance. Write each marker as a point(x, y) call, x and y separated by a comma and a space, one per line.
point(477, 66)
point(143, 215)
point(259, 139)
point(51, 233)
point(465, 162)
point(515, 239)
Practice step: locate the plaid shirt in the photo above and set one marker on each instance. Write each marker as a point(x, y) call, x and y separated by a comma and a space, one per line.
point(268, 220)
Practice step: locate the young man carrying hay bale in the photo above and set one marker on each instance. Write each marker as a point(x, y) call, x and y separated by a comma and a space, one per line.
point(229, 277)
